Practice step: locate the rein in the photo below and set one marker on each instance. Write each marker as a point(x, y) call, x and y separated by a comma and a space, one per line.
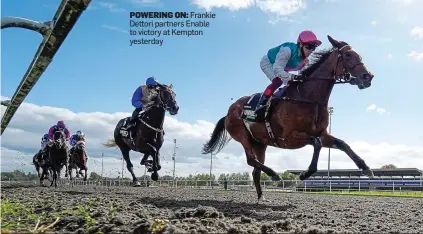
point(159, 104)
point(343, 78)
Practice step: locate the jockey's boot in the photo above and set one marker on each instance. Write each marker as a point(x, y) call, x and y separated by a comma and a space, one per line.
point(263, 100)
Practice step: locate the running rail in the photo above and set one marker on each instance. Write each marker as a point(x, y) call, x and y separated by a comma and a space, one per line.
point(54, 33)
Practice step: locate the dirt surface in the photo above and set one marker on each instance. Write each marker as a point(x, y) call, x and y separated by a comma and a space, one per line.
point(99, 209)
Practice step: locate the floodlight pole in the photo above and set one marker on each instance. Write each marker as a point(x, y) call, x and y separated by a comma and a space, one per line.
point(330, 110)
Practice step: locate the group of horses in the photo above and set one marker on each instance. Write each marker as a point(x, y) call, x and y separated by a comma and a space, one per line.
point(57, 154)
point(294, 118)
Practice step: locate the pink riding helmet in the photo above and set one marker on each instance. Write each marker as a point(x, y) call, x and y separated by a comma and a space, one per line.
point(308, 36)
point(60, 123)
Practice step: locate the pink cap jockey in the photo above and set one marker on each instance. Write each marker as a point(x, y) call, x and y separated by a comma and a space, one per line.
point(59, 124)
point(308, 37)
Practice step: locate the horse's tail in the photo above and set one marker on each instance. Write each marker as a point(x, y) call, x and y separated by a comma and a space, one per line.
point(110, 143)
point(218, 138)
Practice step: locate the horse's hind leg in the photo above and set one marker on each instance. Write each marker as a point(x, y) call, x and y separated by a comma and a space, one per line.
point(330, 141)
point(259, 150)
point(129, 166)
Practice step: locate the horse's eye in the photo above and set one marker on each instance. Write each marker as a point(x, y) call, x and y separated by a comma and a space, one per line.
point(348, 55)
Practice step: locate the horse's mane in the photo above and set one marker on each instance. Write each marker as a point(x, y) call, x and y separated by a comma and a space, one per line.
point(316, 59)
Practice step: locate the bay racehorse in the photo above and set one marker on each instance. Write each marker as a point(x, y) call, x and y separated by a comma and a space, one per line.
point(149, 132)
point(58, 155)
point(297, 116)
point(78, 158)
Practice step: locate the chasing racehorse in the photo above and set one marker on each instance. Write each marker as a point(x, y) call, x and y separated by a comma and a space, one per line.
point(297, 117)
point(149, 134)
point(58, 155)
point(36, 160)
point(46, 170)
point(78, 158)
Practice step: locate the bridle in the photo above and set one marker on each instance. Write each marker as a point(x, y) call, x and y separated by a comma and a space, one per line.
point(344, 77)
point(160, 104)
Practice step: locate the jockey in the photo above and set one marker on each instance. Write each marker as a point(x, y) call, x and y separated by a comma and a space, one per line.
point(59, 126)
point(284, 58)
point(44, 141)
point(74, 139)
point(142, 96)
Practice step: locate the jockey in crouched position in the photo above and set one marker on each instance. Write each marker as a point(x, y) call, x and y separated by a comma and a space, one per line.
point(141, 98)
point(60, 126)
point(42, 154)
point(283, 58)
point(78, 136)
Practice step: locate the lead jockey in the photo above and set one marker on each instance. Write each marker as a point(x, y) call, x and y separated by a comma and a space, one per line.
point(283, 58)
point(142, 96)
point(59, 126)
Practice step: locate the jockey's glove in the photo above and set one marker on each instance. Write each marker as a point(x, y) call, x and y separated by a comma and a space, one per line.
point(294, 77)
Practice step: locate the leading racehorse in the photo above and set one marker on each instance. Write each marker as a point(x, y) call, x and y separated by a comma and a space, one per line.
point(298, 117)
point(149, 132)
point(58, 155)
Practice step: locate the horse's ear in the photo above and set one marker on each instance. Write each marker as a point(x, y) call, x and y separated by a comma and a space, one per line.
point(170, 86)
point(334, 42)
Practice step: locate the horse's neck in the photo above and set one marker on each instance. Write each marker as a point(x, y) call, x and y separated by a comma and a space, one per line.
point(320, 89)
point(156, 116)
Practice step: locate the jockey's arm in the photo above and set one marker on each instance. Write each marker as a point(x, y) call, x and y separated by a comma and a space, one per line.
point(281, 60)
point(50, 133)
point(67, 133)
point(136, 98)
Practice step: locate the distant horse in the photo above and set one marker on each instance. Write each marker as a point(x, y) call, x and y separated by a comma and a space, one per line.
point(58, 155)
point(149, 132)
point(45, 168)
point(36, 160)
point(78, 159)
point(298, 117)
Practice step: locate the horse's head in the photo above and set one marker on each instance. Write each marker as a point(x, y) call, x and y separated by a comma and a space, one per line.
point(167, 98)
point(58, 139)
point(351, 63)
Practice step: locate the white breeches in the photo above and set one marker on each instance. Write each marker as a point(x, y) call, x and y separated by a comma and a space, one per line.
point(267, 67)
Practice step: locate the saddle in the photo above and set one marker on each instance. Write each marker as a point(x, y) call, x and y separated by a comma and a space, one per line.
point(250, 105)
point(262, 115)
point(127, 130)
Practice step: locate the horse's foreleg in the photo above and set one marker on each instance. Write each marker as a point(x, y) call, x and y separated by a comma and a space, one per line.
point(86, 173)
point(155, 175)
point(312, 168)
point(330, 141)
point(159, 165)
point(70, 173)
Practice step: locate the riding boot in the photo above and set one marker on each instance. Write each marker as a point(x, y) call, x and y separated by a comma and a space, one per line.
point(134, 117)
point(263, 100)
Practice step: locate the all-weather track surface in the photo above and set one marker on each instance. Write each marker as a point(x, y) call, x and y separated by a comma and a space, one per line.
point(85, 209)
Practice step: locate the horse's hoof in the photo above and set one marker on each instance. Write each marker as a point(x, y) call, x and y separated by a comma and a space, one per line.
point(155, 176)
point(368, 172)
point(136, 184)
point(303, 176)
point(276, 178)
